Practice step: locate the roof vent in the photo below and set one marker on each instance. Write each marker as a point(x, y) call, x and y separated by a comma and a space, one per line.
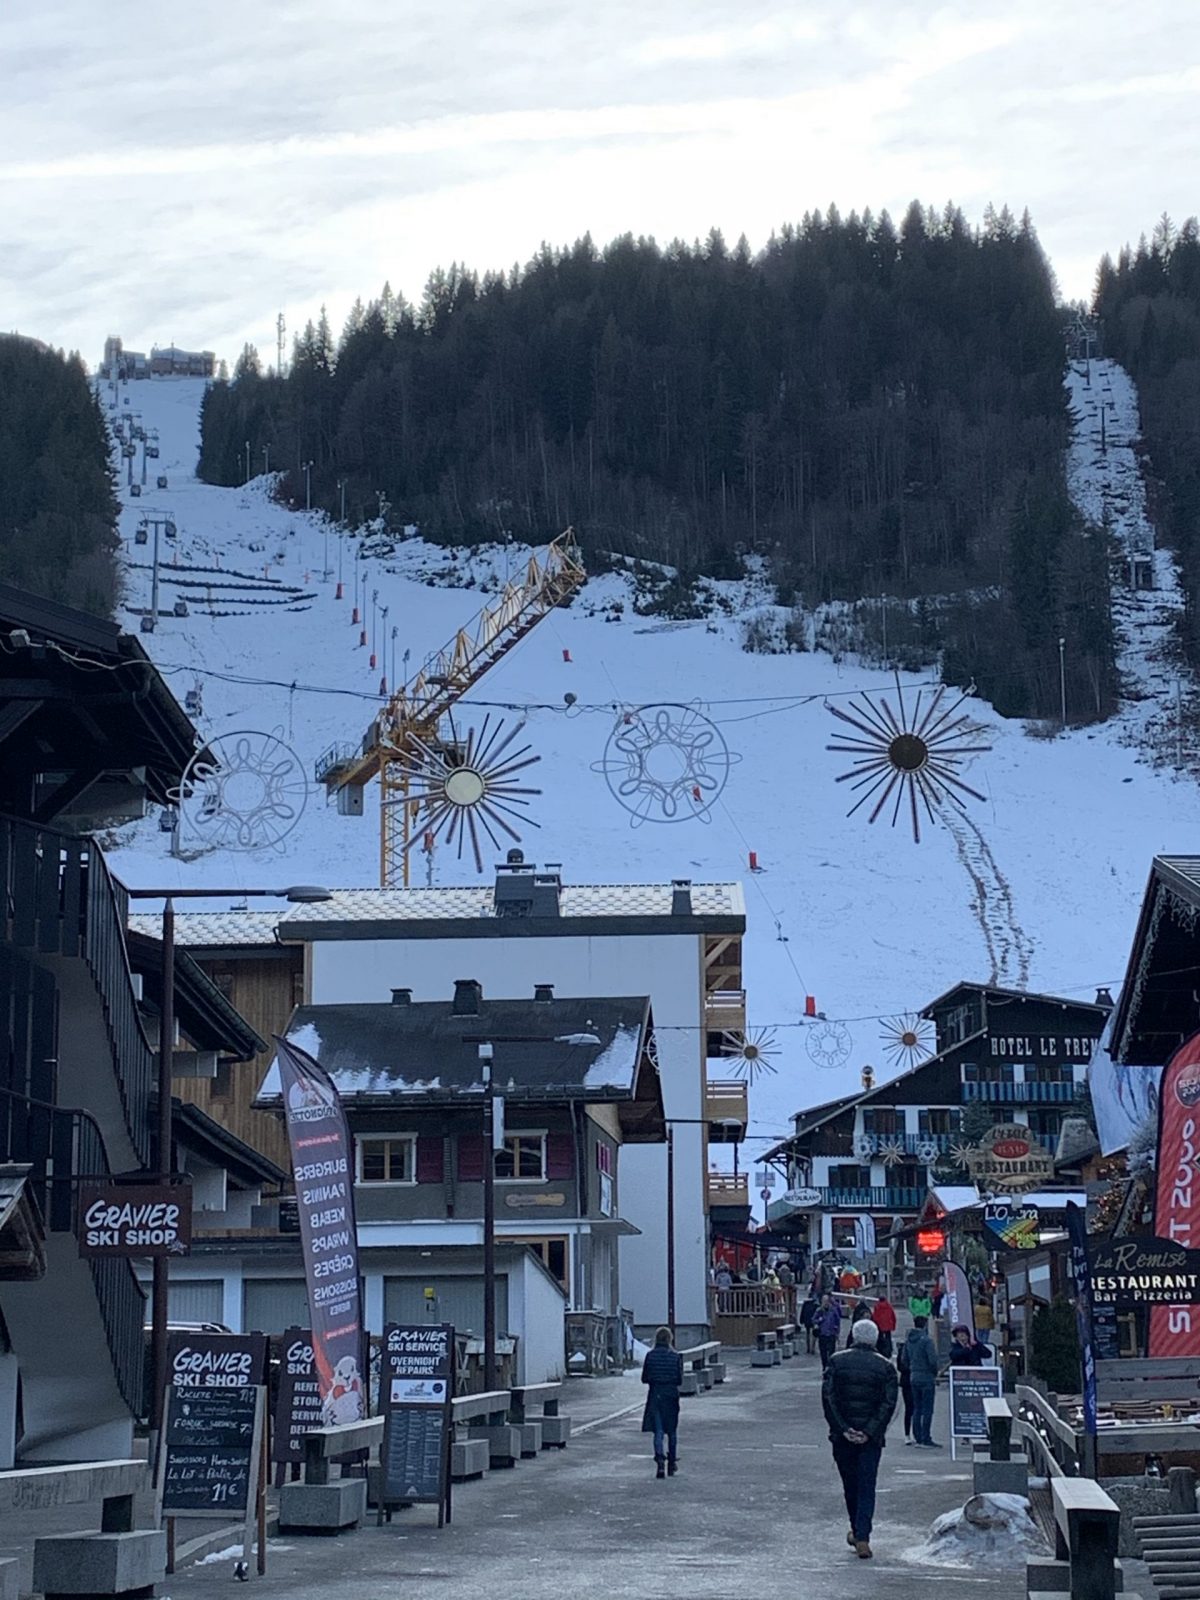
point(1104, 998)
point(681, 897)
point(402, 997)
point(543, 991)
point(468, 995)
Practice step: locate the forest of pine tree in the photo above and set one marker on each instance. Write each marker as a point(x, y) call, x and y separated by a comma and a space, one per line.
point(58, 508)
point(877, 411)
point(1149, 300)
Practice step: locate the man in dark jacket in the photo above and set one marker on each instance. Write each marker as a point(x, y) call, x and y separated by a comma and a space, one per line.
point(966, 1350)
point(662, 1370)
point(919, 1356)
point(858, 1395)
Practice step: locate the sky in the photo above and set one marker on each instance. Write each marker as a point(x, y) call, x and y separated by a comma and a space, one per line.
point(183, 173)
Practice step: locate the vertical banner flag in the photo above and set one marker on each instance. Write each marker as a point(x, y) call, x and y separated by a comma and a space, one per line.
point(1077, 1234)
point(1175, 1330)
point(958, 1298)
point(864, 1235)
point(320, 1145)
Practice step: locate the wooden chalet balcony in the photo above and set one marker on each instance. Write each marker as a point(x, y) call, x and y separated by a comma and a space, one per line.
point(727, 1110)
point(726, 1189)
point(725, 1010)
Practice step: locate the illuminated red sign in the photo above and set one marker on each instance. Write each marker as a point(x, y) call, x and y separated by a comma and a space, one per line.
point(930, 1241)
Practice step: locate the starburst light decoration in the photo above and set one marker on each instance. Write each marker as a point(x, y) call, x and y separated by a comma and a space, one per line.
point(751, 1054)
point(829, 1044)
point(459, 792)
point(665, 763)
point(907, 1039)
point(917, 757)
point(961, 1153)
point(892, 1152)
point(243, 791)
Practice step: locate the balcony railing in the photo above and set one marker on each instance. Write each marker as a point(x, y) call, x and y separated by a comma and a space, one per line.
point(726, 1108)
point(725, 1010)
point(899, 1199)
point(57, 897)
point(1016, 1094)
point(911, 1143)
point(724, 1189)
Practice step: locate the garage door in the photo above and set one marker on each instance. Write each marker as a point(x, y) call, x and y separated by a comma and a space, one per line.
point(456, 1300)
point(272, 1304)
point(197, 1300)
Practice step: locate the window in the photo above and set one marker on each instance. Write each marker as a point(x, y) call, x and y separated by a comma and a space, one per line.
point(523, 1157)
point(845, 1177)
point(387, 1158)
point(553, 1253)
point(1046, 1124)
point(987, 1072)
point(883, 1120)
point(959, 1023)
point(1050, 1072)
point(939, 1119)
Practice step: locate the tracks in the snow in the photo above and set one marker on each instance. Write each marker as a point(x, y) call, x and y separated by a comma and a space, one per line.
point(1009, 947)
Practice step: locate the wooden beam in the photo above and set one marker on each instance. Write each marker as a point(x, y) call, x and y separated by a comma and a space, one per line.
point(15, 713)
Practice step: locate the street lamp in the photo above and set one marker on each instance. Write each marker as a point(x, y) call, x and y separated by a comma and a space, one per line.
point(308, 466)
point(297, 894)
point(486, 1053)
point(1062, 678)
point(266, 450)
point(247, 461)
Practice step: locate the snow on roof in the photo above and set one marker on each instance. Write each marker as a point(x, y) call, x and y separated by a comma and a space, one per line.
point(197, 929)
point(576, 900)
point(955, 1197)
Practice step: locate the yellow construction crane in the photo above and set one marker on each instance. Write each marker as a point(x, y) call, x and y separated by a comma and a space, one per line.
point(411, 721)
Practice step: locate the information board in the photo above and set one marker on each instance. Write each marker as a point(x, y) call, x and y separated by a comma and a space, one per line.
point(416, 1388)
point(1106, 1336)
point(969, 1388)
point(209, 1439)
point(298, 1402)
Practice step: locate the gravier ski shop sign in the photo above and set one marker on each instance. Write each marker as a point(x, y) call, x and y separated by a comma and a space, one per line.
point(134, 1219)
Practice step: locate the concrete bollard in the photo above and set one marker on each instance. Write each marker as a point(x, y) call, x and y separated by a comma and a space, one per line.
point(555, 1432)
point(100, 1563)
point(531, 1437)
point(690, 1384)
point(469, 1458)
point(1181, 1486)
point(322, 1507)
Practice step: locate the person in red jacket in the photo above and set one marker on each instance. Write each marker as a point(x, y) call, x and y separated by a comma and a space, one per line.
point(884, 1318)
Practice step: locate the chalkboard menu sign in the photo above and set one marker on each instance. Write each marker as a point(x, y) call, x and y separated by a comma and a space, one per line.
point(416, 1388)
point(1106, 1337)
point(212, 1422)
point(298, 1404)
point(969, 1388)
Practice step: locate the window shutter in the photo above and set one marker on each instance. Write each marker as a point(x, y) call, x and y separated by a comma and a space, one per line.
point(470, 1158)
point(560, 1155)
point(430, 1164)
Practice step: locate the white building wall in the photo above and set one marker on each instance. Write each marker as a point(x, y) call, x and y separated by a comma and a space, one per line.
point(667, 967)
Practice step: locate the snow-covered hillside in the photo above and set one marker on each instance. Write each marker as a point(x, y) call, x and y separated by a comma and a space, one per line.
point(1038, 886)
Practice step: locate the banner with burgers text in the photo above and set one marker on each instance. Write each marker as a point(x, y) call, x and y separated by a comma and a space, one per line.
point(1175, 1330)
point(321, 1166)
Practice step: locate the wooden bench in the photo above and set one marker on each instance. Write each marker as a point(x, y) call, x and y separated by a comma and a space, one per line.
point(1155, 1378)
point(766, 1349)
point(786, 1333)
point(487, 1417)
point(101, 1562)
point(702, 1367)
point(554, 1430)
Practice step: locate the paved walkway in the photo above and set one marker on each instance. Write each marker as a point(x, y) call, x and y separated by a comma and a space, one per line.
point(756, 1508)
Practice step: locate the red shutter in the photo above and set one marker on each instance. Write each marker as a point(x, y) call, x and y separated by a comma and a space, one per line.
point(560, 1155)
point(429, 1159)
point(470, 1157)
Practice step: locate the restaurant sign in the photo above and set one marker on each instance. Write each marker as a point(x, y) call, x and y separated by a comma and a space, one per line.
point(1143, 1270)
point(1009, 1157)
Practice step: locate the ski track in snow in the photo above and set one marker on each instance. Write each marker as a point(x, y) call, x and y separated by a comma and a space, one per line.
point(1041, 885)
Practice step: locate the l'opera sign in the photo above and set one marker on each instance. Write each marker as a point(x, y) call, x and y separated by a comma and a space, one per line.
point(1143, 1270)
point(134, 1219)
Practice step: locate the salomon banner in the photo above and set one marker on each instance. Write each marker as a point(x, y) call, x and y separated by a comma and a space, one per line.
point(320, 1144)
point(1175, 1329)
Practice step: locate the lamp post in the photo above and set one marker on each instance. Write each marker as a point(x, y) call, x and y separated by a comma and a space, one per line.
point(298, 894)
point(308, 466)
point(247, 461)
point(266, 450)
point(489, 1218)
point(1062, 678)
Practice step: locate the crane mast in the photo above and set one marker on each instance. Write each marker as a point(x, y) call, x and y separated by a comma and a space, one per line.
point(415, 712)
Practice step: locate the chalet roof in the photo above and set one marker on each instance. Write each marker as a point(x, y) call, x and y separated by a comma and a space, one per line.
point(553, 1051)
point(195, 1130)
point(73, 737)
point(996, 991)
point(212, 930)
point(203, 1012)
point(1156, 1009)
point(805, 1122)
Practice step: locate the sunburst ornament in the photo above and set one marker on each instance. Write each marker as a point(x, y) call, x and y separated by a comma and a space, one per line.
point(918, 756)
point(892, 1152)
point(752, 1054)
point(470, 788)
point(961, 1154)
point(829, 1044)
point(907, 1039)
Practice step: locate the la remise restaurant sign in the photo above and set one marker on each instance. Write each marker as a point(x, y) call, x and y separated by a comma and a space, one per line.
point(1143, 1270)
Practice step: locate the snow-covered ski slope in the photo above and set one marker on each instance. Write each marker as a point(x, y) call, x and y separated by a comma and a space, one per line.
point(1039, 885)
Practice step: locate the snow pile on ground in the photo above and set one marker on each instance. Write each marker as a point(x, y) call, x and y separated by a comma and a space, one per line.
point(1039, 885)
point(991, 1530)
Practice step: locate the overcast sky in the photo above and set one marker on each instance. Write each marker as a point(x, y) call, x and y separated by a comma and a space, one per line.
point(183, 172)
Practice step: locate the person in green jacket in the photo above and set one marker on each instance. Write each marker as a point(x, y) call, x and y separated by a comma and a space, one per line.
point(920, 1304)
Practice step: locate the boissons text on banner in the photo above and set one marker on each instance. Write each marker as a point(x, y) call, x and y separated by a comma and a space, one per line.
point(320, 1145)
point(1175, 1330)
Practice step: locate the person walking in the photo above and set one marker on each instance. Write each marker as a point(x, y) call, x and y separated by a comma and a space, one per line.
point(861, 1309)
point(808, 1316)
point(966, 1351)
point(828, 1325)
point(922, 1361)
point(858, 1396)
point(662, 1370)
point(906, 1393)
point(884, 1318)
point(920, 1304)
